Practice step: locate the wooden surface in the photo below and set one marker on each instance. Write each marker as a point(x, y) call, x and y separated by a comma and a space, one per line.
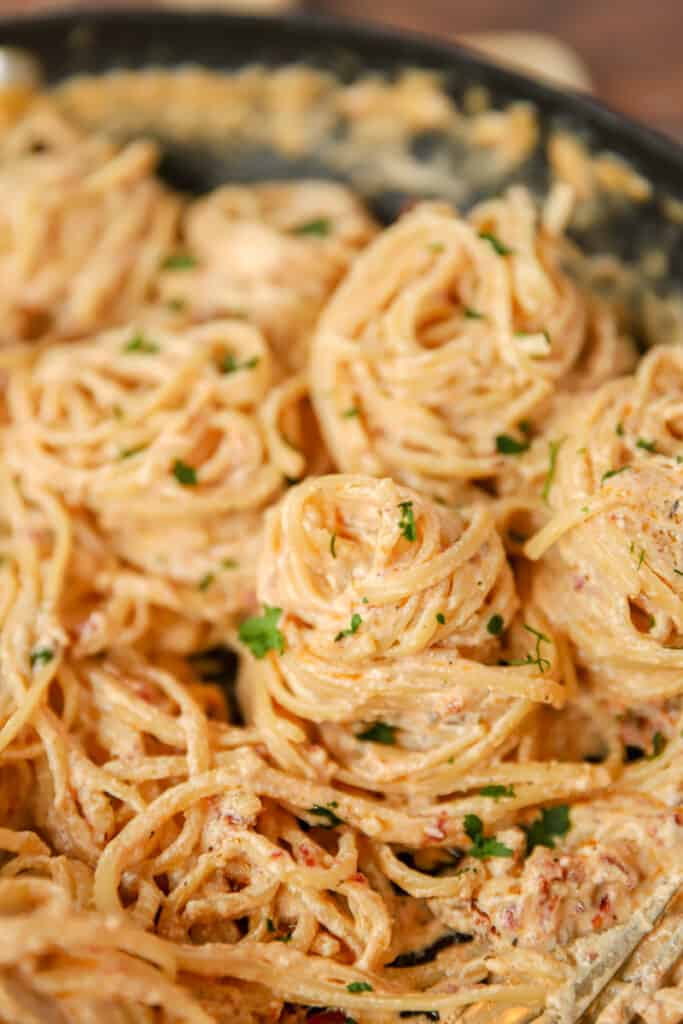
point(632, 47)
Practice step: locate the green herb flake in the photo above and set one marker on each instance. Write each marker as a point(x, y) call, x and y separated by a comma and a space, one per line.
point(679, 572)
point(379, 732)
point(331, 820)
point(260, 633)
point(658, 745)
point(536, 658)
point(619, 430)
point(351, 413)
point(139, 343)
point(269, 925)
point(499, 246)
point(184, 474)
point(206, 581)
point(359, 986)
point(613, 472)
point(441, 618)
point(285, 937)
point(333, 545)
point(320, 227)
point(406, 523)
point(179, 261)
point(482, 846)
point(230, 365)
point(176, 305)
point(436, 246)
point(648, 446)
point(229, 563)
point(553, 452)
point(507, 445)
point(473, 314)
point(352, 628)
point(553, 823)
point(41, 656)
point(127, 453)
point(497, 792)
point(495, 625)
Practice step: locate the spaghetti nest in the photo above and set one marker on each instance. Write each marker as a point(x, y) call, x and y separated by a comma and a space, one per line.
point(175, 440)
point(449, 333)
point(393, 617)
point(85, 226)
point(610, 575)
point(272, 253)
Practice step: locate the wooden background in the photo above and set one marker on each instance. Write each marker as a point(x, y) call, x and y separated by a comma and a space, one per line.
point(632, 47)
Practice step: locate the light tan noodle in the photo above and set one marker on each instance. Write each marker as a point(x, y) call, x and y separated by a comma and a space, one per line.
point(411, 797)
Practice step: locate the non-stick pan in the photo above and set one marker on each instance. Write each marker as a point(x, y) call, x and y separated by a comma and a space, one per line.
point(94, 42)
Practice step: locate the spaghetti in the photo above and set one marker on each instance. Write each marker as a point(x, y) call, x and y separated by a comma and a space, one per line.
point(339, 596)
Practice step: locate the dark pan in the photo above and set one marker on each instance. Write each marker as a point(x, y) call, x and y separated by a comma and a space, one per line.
point(93, 42)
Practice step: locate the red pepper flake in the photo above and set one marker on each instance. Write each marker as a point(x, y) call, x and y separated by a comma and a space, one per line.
point(308, 856)
point(358, 877)
point(605, 903)
point(276, 854)
point(597, 922)
point(437, 831)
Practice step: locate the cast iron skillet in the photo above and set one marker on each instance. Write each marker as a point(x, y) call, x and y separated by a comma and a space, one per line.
point(98, 41)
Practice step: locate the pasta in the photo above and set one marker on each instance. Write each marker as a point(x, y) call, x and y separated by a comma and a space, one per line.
point(435, 306)
point(340, 603)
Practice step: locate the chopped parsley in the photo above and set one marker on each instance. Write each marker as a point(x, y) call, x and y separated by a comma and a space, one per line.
point(359, 986)
point(331, 820)
point(260, 633)
point(473, 314)
point(648, 446)
point(41, 656)
point(441, 618)
point(179, 261)
point(333, 545)
point(285, 937)
point(499, 246)
point(176, 305)
point(349, 414)
point(619, 430)
point(230, 364)
point(184, 474)
point(679, 572)
point(613, 472)
point(553, 451)
point(495, 625)
point(526, 426)
point(229, 563)
point(351, 629)
point(406, 523)
point(139, 343)
point(658, 745)
point(206, 581)
point(554, 822)
point(127, 453)
point(320, 227)
point(379, 732)
point(269, 925)
point(436, 246)
point(536, 658)
point(507, 445)
point(497, 792)
point(482, 846)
